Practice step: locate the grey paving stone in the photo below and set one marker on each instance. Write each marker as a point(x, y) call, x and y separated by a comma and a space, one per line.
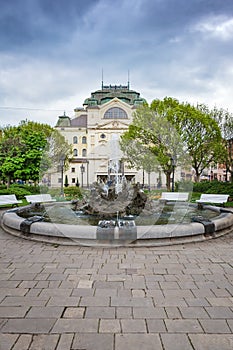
point(95, 301)
point(197, 302)
point(65, 341)
point(149, 312)
point(13, 292)
point(133, 326)
point(193, 312)
point(170, 301)
point(183, 326)
point(124, 312)
point(219, 312)
point(45, 312)
point(24, 301)
point(230, 323)
point(63, 301)
point(13, 311)
point(7, 341)
point(138, 342)
point(23, 342)
point(155, 326)
point(82, 292)
point(137, 302)
point(105, 285)
point(212, 341)
point(91, 341)
point(215, 326)
point(109, 326)
point(56, 292)
point(74, 312)
point(176, 342)
point(100, 312)
point(44, 341)
point(105, 292)
point(76, 326)
point(218, 301)
point(32, 325)
point(172, 312)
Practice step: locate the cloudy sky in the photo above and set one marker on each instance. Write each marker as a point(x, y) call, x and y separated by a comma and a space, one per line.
point(52, 53)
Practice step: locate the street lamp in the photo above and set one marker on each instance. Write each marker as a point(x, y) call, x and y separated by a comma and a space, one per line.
point(87, 173)
point(82, 168)
point(62, 163)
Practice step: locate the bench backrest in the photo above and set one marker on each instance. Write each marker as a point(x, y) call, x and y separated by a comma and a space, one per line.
point(175, 196)
point(215, 198)
point(8, 198)
point(36, 198)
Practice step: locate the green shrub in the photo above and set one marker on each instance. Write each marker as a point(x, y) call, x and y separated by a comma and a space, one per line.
point(19, 192)
point(215, 187)
point(72, 192)
point(29, 188)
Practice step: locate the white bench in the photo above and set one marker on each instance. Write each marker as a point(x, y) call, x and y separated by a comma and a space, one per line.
point(213, 198)
point(39, 198)
point(175, 196)
point(6, 199)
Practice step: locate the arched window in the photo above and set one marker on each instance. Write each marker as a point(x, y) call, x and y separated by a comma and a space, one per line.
point(84, 140)
point(75, 152)
point(75, 139)
point(84, 152)
point(115, 113)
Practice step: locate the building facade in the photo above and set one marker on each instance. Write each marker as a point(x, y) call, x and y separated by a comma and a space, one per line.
point(94, 132)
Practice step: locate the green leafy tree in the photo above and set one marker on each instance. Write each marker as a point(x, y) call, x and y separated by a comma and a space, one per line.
point(152, 141)
point(200, 134)
point(225, 122)
point(22, 148)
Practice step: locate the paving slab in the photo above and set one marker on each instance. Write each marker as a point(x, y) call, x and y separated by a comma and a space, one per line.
point(163, 298)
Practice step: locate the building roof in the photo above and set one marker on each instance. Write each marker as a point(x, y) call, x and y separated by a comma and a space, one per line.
point(109, 92)
point(80, 121)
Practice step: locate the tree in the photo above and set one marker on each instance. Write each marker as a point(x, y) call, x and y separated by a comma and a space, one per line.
point(200, 134)
point(152, 134)
point(225, 122)
point(22, 148)
point(171, 130)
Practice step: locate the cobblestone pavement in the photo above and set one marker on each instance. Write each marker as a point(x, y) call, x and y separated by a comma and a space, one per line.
point(80, 298)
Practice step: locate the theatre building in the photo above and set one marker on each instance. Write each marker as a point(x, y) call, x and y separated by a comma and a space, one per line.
point(94, 132)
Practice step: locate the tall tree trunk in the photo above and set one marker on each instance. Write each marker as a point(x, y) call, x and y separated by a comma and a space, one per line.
point(168, 180)
point(8, 181)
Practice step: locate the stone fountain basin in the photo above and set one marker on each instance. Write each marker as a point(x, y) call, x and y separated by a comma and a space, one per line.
point(146, 235)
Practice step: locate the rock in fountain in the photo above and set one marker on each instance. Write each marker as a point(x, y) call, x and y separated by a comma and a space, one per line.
point(111, 199)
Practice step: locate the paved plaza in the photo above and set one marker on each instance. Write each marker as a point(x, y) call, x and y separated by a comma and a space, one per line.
point(82, 298)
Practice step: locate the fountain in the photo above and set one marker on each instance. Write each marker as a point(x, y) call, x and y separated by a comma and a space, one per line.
point(117, 212)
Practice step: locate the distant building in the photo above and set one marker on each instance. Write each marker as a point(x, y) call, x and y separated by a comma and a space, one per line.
point(92, 132)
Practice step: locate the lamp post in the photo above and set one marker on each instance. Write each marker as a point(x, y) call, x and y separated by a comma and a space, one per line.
point(62, 163)
point(87, 173)
point(82, 168)
point(173, 163)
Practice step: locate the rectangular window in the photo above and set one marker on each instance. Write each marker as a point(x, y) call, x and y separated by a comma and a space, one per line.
point(73, 170)
point(73, 180)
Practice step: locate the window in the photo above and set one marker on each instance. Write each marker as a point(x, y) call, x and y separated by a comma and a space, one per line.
point(84, 140)
point(73, 170)
point(75, 139)
point(102, 136)
point(73, 180)
point(84, 152)
point(75, 152)
point(115, 113)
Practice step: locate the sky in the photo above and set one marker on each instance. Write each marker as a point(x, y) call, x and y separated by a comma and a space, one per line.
point(53, 52)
